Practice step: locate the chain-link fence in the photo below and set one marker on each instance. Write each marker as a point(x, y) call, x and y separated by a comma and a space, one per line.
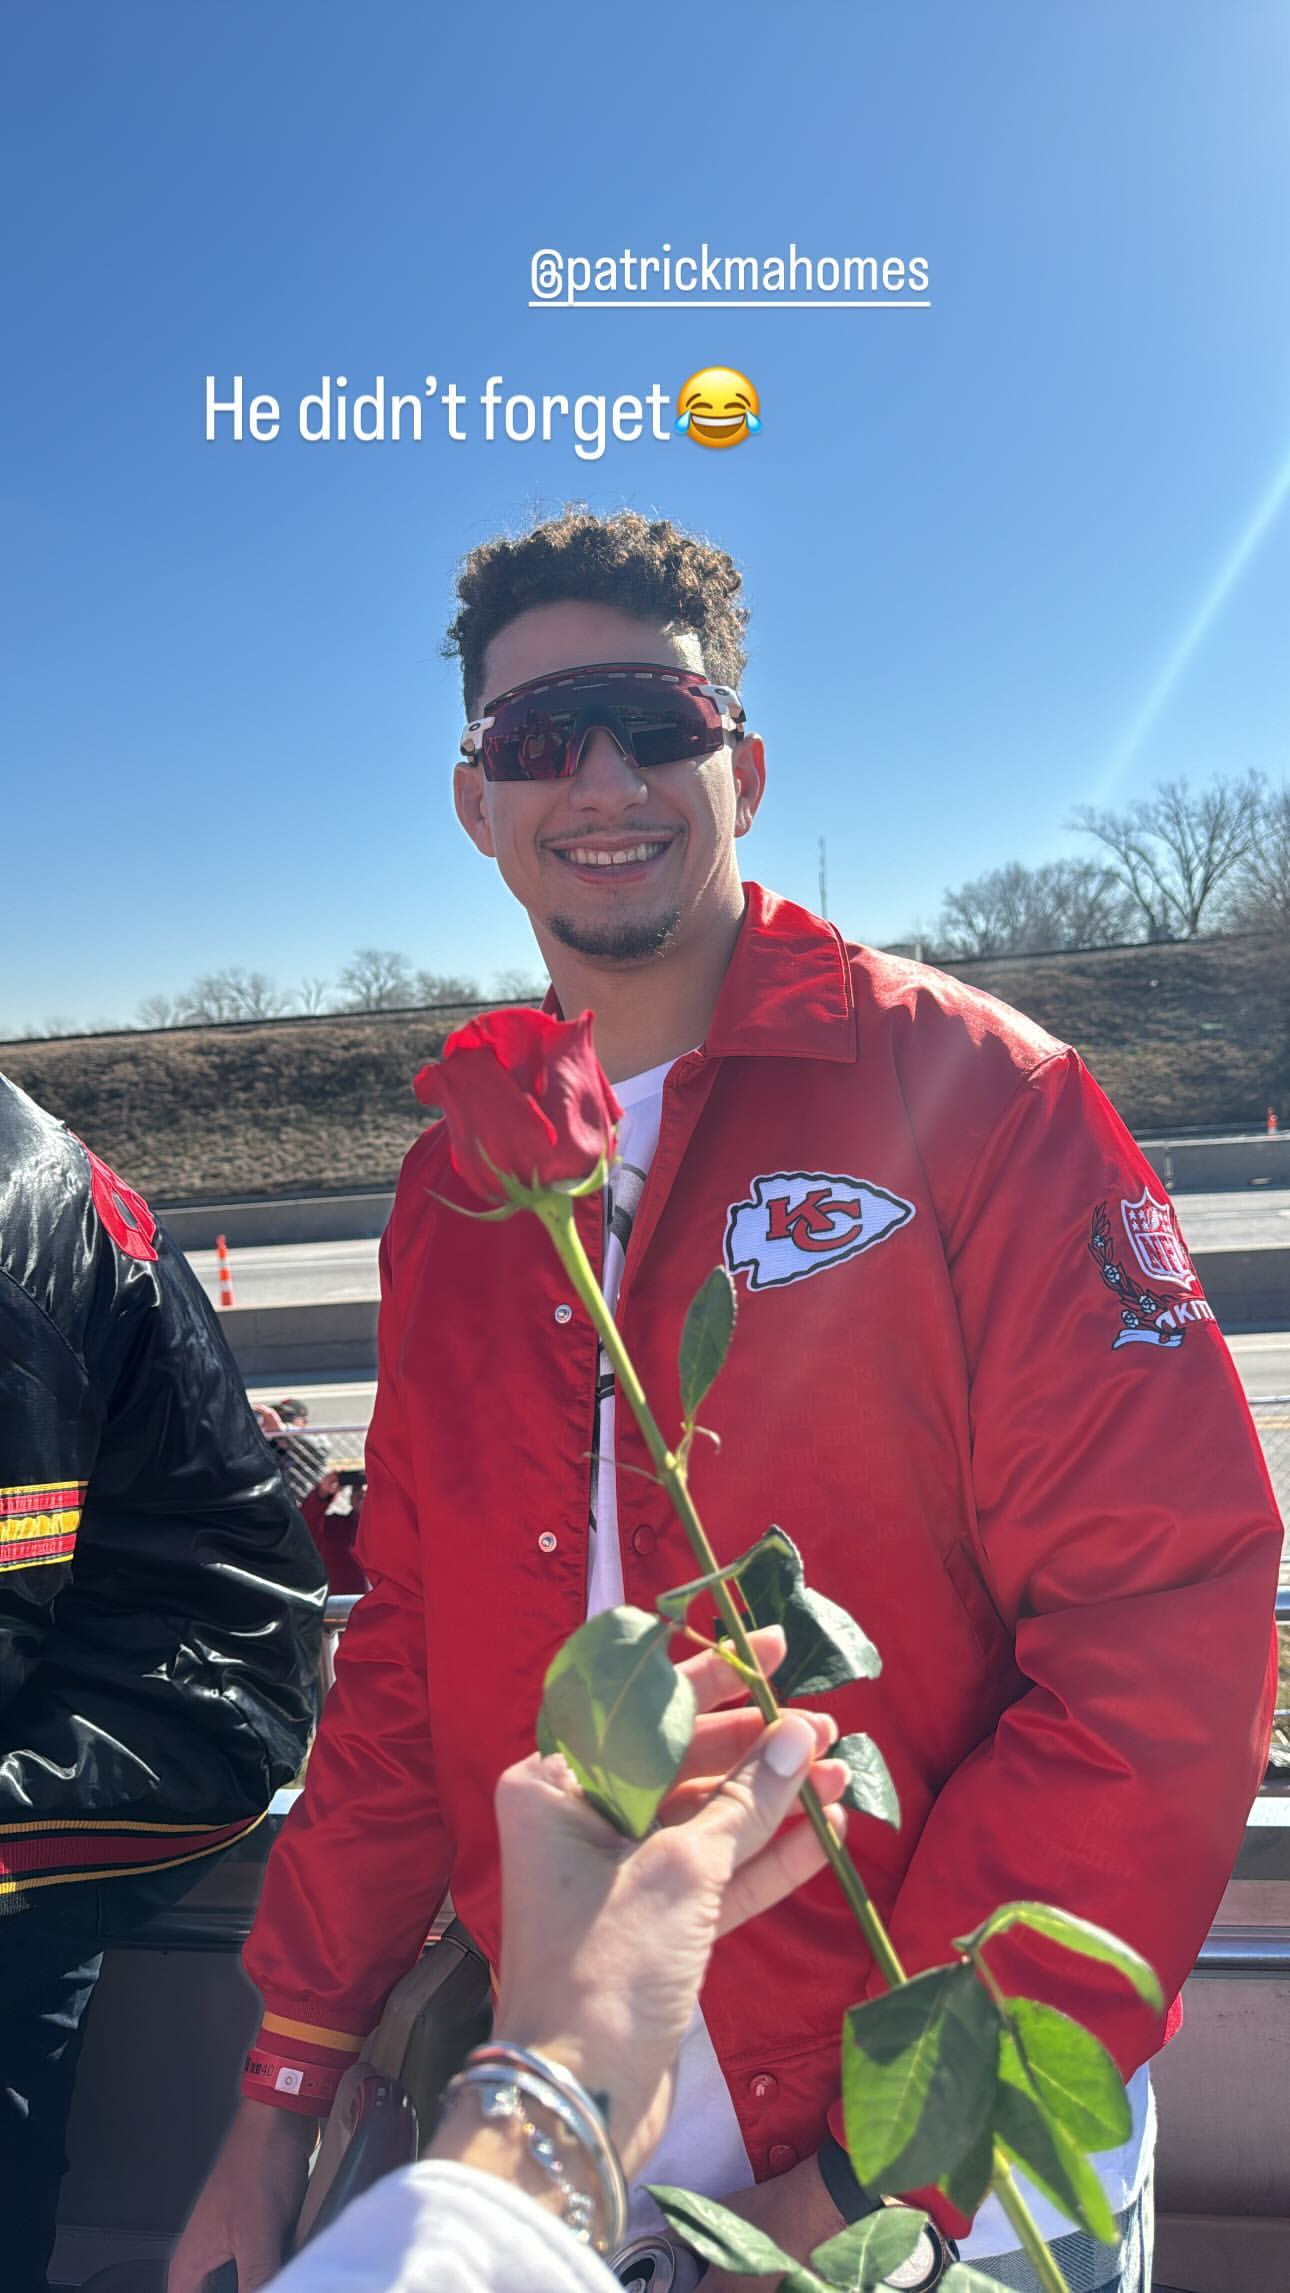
point(1272, 1417)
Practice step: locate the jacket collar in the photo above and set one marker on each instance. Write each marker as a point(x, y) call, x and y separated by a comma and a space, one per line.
point(787, 992)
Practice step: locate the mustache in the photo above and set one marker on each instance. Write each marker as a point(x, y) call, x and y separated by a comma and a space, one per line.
point(641, 833)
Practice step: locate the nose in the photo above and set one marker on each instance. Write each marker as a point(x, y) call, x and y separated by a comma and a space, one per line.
point(606, 778)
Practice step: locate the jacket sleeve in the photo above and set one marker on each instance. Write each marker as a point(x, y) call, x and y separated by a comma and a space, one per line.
point(1128, 1537)
point(160, 1604)
point(363, 1861)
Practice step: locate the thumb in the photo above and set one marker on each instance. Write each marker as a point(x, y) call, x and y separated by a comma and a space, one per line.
point(755, 1797)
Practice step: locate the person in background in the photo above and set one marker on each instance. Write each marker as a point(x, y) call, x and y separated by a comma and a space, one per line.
point(332, 1513)
point(303, 1455)
point(160, 1619)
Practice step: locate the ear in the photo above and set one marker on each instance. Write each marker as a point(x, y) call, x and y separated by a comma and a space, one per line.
point(471, 805)
point(749, 767)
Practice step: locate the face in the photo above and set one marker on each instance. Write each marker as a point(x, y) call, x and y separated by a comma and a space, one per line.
point(621, 864)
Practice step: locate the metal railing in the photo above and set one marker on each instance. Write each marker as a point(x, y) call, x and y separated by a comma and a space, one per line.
point(1271, 1414)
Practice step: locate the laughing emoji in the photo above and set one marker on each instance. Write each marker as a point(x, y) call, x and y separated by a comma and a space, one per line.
point(718, 407)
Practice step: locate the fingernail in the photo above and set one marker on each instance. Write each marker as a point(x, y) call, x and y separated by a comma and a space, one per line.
point(790, 1744)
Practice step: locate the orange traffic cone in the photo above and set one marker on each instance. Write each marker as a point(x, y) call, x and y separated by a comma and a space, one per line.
point(225, 1272)
point(1272, 1120)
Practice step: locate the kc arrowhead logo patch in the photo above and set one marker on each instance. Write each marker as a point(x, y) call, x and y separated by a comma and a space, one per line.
point(798, 1222)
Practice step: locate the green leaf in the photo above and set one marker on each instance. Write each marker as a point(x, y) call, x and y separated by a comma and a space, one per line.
point(1073, 2075)
point(966, 2183)
point(826, 1647)
point(862, 2255)
point(620, 1712)
point(719, 2235)
point(871, 1790)
point(546, 1742)
point(1077, 1935)
point(1045, 2151)
point(919, 2069)
point(705, 1339)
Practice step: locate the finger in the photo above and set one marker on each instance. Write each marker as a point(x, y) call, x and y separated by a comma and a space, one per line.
point(721, 1739)
point(751, 1802)
point(793, 1856)
point(715, 1681)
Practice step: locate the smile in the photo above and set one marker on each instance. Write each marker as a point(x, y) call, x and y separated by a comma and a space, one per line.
point(628, 855)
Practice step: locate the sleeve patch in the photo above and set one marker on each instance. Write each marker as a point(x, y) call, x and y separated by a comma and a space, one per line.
point(38, 1522)
point(123, 1213)
point(1146, 1318)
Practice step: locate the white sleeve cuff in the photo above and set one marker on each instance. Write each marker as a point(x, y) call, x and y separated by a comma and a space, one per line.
point(440, 2227)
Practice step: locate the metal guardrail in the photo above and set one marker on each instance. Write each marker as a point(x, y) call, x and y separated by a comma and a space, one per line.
point(1245, 1951)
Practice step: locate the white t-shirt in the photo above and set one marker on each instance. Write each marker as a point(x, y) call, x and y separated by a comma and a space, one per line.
point(702, 2147)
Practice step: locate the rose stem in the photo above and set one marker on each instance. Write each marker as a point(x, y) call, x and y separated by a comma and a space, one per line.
point(556, 1212)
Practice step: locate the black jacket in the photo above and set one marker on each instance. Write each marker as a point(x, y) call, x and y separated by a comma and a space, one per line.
point(160, 1597)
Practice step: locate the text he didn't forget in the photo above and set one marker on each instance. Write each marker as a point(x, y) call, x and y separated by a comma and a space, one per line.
point(342, 412)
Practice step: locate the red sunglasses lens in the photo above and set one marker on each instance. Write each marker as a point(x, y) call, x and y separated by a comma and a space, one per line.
point(527, 741)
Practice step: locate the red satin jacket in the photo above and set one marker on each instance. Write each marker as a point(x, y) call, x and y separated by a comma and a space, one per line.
point(975, 1379)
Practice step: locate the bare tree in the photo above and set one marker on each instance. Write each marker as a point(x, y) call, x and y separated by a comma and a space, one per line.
point(440, 987)
point(1260, 887)
point(218, 996)
point(58, 1023)
point(376, 979)
point(158, 1011)
point(1017, 910)
point(1175, 853)
point(314, 995)
point(516, 985)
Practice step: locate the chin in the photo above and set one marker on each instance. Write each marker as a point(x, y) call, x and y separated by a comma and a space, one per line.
point(626, 940)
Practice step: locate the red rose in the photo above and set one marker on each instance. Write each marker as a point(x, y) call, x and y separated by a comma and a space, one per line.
point(524, 1095)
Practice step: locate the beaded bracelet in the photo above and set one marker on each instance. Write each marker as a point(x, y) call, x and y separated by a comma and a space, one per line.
point(506, 2080)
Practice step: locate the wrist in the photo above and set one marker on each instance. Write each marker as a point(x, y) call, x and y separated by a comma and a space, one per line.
point(501, 2149)
point(527, 2118)
point(261, 2120)
point(584, 2063)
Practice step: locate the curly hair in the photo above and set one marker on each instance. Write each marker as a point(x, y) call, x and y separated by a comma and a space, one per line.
point(647, 566)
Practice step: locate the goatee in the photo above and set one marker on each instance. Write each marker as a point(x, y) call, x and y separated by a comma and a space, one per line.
point(624, 942)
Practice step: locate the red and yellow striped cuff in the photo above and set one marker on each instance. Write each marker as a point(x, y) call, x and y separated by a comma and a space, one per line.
point(52, 1852)
point(38, 1522)
point(298, 2065)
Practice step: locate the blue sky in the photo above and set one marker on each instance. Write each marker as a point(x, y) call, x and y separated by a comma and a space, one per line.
point(1023, 549)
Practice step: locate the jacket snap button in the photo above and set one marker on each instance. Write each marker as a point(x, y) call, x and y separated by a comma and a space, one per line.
point(548, 1541)
point(782, 2155)
point(643, 1539)
point(763, 2086)
point(563, 1314)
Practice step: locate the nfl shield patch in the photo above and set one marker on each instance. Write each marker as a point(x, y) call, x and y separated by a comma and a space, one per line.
point(1155, 1241)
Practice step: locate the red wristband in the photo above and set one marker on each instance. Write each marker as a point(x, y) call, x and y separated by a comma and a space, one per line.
point(298, 2085)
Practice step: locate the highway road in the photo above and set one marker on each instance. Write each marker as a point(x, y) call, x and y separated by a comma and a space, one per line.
point(319, 1273)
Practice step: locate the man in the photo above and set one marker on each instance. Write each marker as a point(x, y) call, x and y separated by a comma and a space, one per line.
point(303, 1455)
point(974, 1377)
point(160, 1617)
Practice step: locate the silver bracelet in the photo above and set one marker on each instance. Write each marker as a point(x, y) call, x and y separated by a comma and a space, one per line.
point(506, 2079)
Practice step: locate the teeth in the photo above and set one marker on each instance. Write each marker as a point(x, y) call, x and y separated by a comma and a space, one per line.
point(583, 858)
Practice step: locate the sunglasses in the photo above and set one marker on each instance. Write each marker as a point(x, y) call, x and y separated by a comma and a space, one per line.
point(538, 730)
